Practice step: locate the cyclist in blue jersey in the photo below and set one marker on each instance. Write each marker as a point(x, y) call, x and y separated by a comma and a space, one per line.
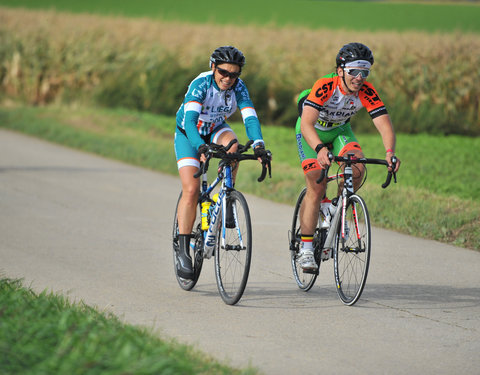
point(211, 98)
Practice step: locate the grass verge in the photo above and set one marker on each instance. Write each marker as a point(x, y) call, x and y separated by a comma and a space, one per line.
point(46, 334)
point(437, 196)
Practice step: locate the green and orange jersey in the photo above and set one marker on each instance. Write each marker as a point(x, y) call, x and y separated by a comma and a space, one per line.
point(336, 107)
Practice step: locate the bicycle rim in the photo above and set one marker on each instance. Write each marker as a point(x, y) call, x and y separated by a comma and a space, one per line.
point(195, 252)
point(352, 251)
point(304, 280)
point(234, 251)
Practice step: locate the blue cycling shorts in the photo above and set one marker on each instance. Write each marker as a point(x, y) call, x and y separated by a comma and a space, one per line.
point(186, 154)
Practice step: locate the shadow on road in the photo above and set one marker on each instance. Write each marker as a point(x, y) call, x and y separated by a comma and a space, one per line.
point(417, 294)
point(286, 296)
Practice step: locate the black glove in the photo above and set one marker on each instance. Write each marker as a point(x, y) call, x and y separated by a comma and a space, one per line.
point(263, 154)
point(202, 149)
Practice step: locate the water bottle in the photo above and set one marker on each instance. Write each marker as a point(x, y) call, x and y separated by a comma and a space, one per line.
point(333, 207)
point(205, 212)
point(325, 213)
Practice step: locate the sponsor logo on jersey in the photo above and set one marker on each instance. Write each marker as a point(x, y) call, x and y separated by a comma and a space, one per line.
point(197, 93)
point(309, 166)
point(300, 147)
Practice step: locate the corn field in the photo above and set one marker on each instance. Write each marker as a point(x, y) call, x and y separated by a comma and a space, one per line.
point(427, 81)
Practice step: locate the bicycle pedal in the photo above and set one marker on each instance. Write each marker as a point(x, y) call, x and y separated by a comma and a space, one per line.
point(310, 271)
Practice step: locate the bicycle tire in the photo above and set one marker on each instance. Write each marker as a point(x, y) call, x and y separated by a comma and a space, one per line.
point(197, 253)
point(233, 251)
point(304, 280)
point(352, 254)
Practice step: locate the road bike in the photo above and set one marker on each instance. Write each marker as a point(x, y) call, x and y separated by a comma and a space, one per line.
point(223, 227)
point(344, 230)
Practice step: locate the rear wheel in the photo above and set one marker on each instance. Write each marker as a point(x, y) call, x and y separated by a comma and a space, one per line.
point(234, 250)
point(196, 246)
point(352, 251)
point(304, 280)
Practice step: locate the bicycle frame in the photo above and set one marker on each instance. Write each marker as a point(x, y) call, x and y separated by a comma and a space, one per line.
point(225, 177)
point(340, 213)
point(210, 235)
point(347, 192)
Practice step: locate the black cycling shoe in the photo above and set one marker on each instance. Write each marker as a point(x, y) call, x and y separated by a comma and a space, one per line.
point(229, 218)
point(184, 260)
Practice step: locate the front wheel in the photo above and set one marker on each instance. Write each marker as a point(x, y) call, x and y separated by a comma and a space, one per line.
point(196, 246)
point(351, 252)
point(304, 280)
point(234, 249)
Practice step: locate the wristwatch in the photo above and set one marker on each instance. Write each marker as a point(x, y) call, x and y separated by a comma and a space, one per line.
point(319, 147)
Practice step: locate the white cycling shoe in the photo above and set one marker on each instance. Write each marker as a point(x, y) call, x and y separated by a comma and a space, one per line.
point(307, 260)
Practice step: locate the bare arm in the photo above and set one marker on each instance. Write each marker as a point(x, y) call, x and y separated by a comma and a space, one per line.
point(307, 127)
point(384, 126)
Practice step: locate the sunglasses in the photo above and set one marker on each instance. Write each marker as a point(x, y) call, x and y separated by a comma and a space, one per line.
point(355, 72)
point(226, 73)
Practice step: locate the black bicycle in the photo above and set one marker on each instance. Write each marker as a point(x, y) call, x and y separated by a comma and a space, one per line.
point(223, 227)
point(347, 233)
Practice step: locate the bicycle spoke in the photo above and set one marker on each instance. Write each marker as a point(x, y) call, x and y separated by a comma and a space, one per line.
point(352, 252)
point(233, 252)
point(304, 280)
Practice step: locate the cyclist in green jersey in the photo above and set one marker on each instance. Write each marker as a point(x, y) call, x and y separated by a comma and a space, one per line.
point(325, 113)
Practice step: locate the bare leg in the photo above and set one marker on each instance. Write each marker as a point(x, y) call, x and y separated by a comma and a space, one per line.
point(311, 206)
point(224, 139)
point(358, 172)
point(187, 206)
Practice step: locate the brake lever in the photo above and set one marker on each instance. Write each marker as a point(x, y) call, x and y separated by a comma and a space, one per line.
point(266, 166)
point(394, 166)
point(204, 165)
point(391, 174)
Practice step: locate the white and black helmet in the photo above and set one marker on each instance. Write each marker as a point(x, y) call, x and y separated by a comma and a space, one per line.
point(353, 52)
point(227, 54)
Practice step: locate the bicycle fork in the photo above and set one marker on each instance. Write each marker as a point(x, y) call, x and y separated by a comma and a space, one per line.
point(340, 213)
point(211, 233)
point(333, 225)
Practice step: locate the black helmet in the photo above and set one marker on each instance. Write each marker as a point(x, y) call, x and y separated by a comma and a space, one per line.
point(227, 54)
point(353, 52)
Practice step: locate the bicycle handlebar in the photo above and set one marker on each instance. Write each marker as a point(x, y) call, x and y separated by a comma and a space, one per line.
point(350, 159)
point(221, 152)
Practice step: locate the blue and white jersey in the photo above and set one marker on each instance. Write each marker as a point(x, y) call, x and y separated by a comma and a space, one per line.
point(206, 107)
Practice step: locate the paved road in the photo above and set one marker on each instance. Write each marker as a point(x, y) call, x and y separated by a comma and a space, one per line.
point(99, 231)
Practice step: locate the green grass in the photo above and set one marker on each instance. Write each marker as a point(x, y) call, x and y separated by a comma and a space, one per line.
point(437, 195)
point(347, 15)
point(46, 334)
